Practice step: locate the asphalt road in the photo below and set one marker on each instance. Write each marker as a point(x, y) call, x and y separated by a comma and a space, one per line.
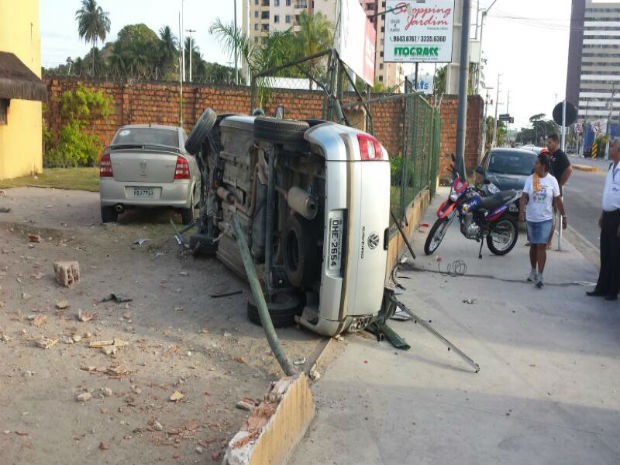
point(582, 196)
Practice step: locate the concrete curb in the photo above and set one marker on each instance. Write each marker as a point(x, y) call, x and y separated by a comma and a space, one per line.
point(585, 167)
point(275, 426)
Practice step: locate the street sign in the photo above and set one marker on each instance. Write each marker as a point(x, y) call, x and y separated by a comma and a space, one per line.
point(505, 117)
point(571, 114)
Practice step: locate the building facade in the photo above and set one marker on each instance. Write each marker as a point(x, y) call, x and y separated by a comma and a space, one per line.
point(260, 17)
point(593, 74)
point(21, 89)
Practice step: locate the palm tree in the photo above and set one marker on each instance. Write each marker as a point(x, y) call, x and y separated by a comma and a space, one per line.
point(168, 51)
point(93, 23)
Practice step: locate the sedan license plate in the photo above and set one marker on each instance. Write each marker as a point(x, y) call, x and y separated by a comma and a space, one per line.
point(143, 192)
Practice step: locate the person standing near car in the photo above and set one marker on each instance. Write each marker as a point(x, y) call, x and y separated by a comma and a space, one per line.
point(608, 283)
point(541, 194)
point(560, 169)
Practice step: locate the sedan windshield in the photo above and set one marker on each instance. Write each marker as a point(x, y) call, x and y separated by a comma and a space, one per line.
point(511, 162)
point(147, 136)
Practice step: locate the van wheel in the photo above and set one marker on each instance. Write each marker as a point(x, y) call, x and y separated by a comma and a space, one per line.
point(108, 215)
point(300, 254)
point(283, 308)
point(288, 133)
point(200, 131)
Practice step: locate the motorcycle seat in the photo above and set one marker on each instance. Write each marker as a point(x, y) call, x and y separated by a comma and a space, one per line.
point(493, 201)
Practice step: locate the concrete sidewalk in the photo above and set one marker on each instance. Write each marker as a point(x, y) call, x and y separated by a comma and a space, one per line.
point(547, 392)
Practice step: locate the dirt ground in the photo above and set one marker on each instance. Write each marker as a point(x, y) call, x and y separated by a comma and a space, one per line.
point(181, 341)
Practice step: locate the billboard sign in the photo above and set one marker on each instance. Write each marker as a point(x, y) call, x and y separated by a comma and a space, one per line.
point(419, 31)
point(354, 27)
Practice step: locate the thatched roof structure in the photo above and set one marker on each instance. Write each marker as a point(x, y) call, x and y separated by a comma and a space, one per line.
point(17, 81)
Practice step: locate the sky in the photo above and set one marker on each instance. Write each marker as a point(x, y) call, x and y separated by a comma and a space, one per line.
point(526, 41)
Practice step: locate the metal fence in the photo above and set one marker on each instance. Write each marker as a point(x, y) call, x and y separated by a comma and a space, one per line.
point(420, 153)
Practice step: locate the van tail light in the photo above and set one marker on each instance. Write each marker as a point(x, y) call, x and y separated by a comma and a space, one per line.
point(105, 166)
point(370, 148)
point(182, 169)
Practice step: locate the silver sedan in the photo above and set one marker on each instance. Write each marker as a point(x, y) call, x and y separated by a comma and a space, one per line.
point(148, 166)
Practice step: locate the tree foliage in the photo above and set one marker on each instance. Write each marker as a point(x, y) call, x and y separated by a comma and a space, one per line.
point(93, 24)
point(139, 54)
point(73, 146)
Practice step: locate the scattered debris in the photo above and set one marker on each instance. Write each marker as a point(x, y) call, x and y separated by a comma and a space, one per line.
point(104, 446)
point(401, 315)
point(34, 238)
point(85, 316)
point(5, 209)
point(46, 342)
point(118, 298)
point(21, 433)
point(246, 404)
point(157, 426)
point(300, 361)
point(37, 320)
point(109, 347)
point(226, 294)
point(314, 374)
point(67, 273)
point(140, 241)
point(183, 273)
point(61, 305)
point(84, 397)
point(26, 296)
point(106, 391)
point(469, 301)
point(176, 396)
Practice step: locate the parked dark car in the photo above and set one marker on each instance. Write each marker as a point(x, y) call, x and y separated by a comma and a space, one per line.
point(508, 168)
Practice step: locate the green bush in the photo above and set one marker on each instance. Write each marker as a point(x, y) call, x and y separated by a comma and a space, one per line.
point(74, 146)
point(396, 170)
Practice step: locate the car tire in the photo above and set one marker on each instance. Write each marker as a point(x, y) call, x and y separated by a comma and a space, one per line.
point(283, 309)
point(108, 215)
point(300, 257)
point(288, 133)
point(200, 131)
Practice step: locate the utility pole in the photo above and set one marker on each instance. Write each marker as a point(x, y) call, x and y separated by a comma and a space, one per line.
point(191, 50)
point(494, 141)
point(484, 125)
point(182, 37)
point(236, 52)
point(461, 120)
point(508, 112)
point(180, 78)
point(611, 109)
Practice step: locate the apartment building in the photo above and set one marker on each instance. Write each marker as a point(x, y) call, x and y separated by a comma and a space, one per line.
point(264, 16)
point(593, 74)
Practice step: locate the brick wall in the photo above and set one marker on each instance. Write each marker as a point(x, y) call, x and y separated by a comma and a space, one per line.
point(473, 133)
point(158, 104)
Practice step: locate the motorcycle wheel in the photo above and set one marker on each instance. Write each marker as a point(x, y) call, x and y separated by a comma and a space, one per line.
point(435, 235)
point(503, 236)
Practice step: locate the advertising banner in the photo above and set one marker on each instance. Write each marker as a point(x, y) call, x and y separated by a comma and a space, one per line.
point(356, 40)
point(419, 31)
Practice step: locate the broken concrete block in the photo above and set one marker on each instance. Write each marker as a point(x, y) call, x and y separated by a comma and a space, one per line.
point(67, 273)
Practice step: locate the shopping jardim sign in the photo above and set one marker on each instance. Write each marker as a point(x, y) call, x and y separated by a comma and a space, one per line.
point(419, 32)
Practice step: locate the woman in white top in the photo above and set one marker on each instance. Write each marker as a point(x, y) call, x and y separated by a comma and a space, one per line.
point(540, 194)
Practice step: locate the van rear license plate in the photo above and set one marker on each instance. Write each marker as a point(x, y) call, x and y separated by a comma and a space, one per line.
point(143, 192)
point(336, 230)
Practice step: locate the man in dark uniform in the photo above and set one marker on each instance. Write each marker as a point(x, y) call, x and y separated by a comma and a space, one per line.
point(561, 169)
point(609, 277)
